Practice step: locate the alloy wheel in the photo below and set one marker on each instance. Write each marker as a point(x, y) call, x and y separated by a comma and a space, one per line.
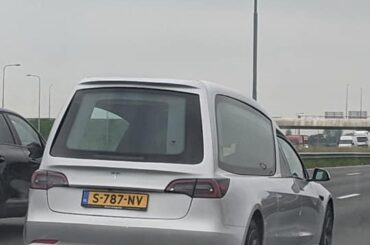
point(253, 236)
point(327, 235)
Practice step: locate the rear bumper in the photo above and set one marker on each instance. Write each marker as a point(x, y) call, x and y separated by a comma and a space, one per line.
point(195, 228)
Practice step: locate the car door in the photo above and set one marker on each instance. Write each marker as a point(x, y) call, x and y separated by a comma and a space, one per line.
point(308, 220)
point(12, 157)
point(31, 145)
point(289, 203)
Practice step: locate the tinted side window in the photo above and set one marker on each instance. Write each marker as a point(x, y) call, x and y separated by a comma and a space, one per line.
point(284, 166)
point(294, 162)
point(5, 134)
point(245, 138)
point(26, 133)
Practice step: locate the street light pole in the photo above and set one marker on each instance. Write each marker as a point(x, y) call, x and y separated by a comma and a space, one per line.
point(347, 101)
point(39, 79)
point(51, 85)
point(255, 46)
point(361, 103)
point(4, 69)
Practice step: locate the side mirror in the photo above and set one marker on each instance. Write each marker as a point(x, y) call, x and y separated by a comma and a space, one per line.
point(320, 175)
point(36, 150)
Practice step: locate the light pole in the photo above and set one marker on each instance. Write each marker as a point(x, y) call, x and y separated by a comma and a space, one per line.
point(39, 79)
point(4, 69)
point(255, 46)
point(347, 101)
point(361, 103)
point(51, 85)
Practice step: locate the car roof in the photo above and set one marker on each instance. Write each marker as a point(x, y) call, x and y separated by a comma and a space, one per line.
point(144, 81)
point(4, 110)
point(175, 83)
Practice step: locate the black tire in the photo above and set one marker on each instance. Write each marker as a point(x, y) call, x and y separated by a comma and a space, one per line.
point(254, 235)
point(327, 231)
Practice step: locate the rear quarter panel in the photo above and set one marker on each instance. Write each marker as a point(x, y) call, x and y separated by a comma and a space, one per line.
point(248, 194)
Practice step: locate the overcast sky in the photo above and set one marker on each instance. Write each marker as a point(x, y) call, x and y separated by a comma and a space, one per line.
point(308, 50)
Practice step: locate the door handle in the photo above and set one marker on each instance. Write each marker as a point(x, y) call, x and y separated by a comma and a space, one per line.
point(2, 159)
point(321, 198)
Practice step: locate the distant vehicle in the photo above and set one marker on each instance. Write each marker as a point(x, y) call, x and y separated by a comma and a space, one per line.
point(361, 138)
point(317, 140)
point(346, 141)
point(163, 162)
point(300, 141)
point(21, 149)
point(329, 138)
point(332, 137)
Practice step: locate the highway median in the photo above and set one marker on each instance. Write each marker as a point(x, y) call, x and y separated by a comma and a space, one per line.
point(335, 162)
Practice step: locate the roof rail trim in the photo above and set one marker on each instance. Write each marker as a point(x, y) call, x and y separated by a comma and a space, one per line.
point(156, 84)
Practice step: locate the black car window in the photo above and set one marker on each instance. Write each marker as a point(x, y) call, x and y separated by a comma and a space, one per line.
point(5, 134)
point(245, 138)
point(284, 166)
point(294, 162)
point(26, 133)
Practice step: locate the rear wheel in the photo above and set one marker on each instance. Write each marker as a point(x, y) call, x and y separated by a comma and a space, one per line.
point(254, 235)
point(327, 233)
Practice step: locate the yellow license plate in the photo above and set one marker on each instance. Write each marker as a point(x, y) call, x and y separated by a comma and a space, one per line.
point(116, 200)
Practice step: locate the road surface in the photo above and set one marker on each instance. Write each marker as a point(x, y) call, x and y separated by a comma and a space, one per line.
point(11, 231)
point(350, 187)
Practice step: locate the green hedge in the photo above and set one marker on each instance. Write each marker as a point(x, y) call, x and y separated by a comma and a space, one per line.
point(335, 162)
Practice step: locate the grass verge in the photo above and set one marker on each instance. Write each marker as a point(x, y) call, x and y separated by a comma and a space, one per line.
point(335, 162)
point(333, 149)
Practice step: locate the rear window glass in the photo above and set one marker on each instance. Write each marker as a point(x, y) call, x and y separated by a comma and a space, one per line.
point(133, 125)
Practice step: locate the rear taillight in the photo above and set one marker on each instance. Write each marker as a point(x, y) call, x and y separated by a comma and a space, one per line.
point(44, 242)
point(43, 179)
point(200, 188)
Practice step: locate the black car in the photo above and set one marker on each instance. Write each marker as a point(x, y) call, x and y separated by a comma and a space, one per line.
point(21, 149)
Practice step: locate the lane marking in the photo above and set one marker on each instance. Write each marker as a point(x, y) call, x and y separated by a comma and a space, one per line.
point(348, 196)
point(352, 174)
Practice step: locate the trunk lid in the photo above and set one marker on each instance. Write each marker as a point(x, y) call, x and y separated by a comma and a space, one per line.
point(127, 180)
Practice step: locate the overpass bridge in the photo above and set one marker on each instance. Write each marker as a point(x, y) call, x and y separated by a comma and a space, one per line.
point(322, 123)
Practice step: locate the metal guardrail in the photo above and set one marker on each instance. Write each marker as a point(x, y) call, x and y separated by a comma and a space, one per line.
point(317, 155)
point(317, 117)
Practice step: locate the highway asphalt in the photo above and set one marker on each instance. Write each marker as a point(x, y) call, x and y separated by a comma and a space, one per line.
point(11, 231)
point(350, 186)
